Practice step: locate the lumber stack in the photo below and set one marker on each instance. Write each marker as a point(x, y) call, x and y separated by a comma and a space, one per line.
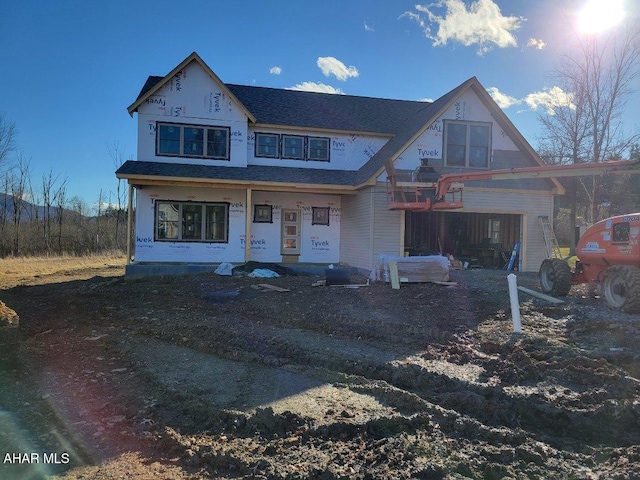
point(432, 268)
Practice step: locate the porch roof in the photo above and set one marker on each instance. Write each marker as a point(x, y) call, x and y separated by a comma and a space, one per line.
point(252, 174)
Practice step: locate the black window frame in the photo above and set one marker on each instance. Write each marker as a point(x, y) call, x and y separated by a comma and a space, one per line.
point(316, 158)
point(283, 147)
point(190, 229)
point(182, 141)
point(320, 216)
point(262, 213)
point(468, 146)
point(259, 154)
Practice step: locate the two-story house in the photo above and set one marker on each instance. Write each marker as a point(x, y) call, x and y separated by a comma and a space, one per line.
point(231, 173)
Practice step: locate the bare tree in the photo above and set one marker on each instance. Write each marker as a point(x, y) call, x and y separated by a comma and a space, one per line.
point(566, 130)
point(599, 79)
point(118, 156)
point(61, 201)
point(47, 193)
point(7, 139)
point(99, 207)
point(18, 189)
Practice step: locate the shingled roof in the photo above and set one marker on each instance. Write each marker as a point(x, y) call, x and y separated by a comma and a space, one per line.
point(293, 108)
point(402, 121)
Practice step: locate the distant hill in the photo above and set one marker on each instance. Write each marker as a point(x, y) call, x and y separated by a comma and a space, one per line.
point(30, 211)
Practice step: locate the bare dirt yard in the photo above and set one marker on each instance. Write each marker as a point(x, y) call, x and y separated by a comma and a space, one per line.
point(204, 376)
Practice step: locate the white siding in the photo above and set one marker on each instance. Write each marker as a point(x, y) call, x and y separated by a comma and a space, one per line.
point(369, 228)
point(356, 232)
point(388, 230)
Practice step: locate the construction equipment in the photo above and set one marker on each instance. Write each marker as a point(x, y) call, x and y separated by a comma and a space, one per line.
point(404, 192)
point(608, 256)
point(608, 252)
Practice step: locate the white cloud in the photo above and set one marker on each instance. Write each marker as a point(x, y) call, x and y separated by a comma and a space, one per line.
point(536, 43)
point(275, 70)
point(316, 87)
point(549, 99)
point(482, 24)
point(333, 66)
point(502, 99)
point(368, 27)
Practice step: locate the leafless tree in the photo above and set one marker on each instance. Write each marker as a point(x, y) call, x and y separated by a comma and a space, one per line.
point(7, 140)
point(599, 78)
point(100, 204)
point(61, 201)
point(18, 189)
point(566, 129)
point(118, 156)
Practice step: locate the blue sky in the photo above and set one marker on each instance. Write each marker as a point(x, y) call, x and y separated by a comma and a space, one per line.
point(71, 68)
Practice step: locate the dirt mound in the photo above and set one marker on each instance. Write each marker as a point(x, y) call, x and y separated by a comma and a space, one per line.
point(8, 317)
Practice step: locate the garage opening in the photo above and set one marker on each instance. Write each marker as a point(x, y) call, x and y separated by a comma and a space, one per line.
point(483, 239)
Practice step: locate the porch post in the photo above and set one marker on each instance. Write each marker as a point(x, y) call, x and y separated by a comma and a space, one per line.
point(129, 223)
point(247, 228)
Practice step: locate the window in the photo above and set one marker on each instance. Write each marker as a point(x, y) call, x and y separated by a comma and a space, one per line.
point(193, 141)
point(293, 147)
point(467, 144)
point(188, 222)
point(318, 149)
point(267, 145)
point(494, 230)
point(621, 232)
point(218, 143)
point(319, 215)
point(262, 214)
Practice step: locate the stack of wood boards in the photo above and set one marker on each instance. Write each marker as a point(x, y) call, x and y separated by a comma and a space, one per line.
point(432, 268)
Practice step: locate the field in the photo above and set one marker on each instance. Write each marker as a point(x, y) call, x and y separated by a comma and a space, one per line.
point(204, 376)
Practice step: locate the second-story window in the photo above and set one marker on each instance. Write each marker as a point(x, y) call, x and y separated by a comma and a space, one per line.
point(293, 147)
point(267, 145)
point(318, 149)
point(467, 144)
point(192, 141)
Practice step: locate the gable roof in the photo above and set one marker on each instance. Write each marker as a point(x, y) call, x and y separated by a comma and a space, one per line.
point(153, 84)
point(402, 121)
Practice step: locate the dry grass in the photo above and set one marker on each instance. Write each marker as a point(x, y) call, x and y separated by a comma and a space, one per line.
point(37, 270)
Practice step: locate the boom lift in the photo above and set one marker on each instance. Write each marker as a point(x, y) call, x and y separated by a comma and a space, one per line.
point(608, 252)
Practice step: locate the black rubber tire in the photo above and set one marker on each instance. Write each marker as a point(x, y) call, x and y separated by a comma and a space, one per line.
point(621, 288)
point(555, 277)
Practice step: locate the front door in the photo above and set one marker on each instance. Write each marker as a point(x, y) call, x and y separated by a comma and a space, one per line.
point(290, 232)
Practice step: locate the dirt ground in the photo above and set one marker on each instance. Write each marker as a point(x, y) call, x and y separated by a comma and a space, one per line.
point(204, 376)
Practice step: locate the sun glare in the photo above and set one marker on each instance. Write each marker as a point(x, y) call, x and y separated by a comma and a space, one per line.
point(599, 15)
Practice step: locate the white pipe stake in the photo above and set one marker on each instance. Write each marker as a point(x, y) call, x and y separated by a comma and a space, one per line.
point(515, 303)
